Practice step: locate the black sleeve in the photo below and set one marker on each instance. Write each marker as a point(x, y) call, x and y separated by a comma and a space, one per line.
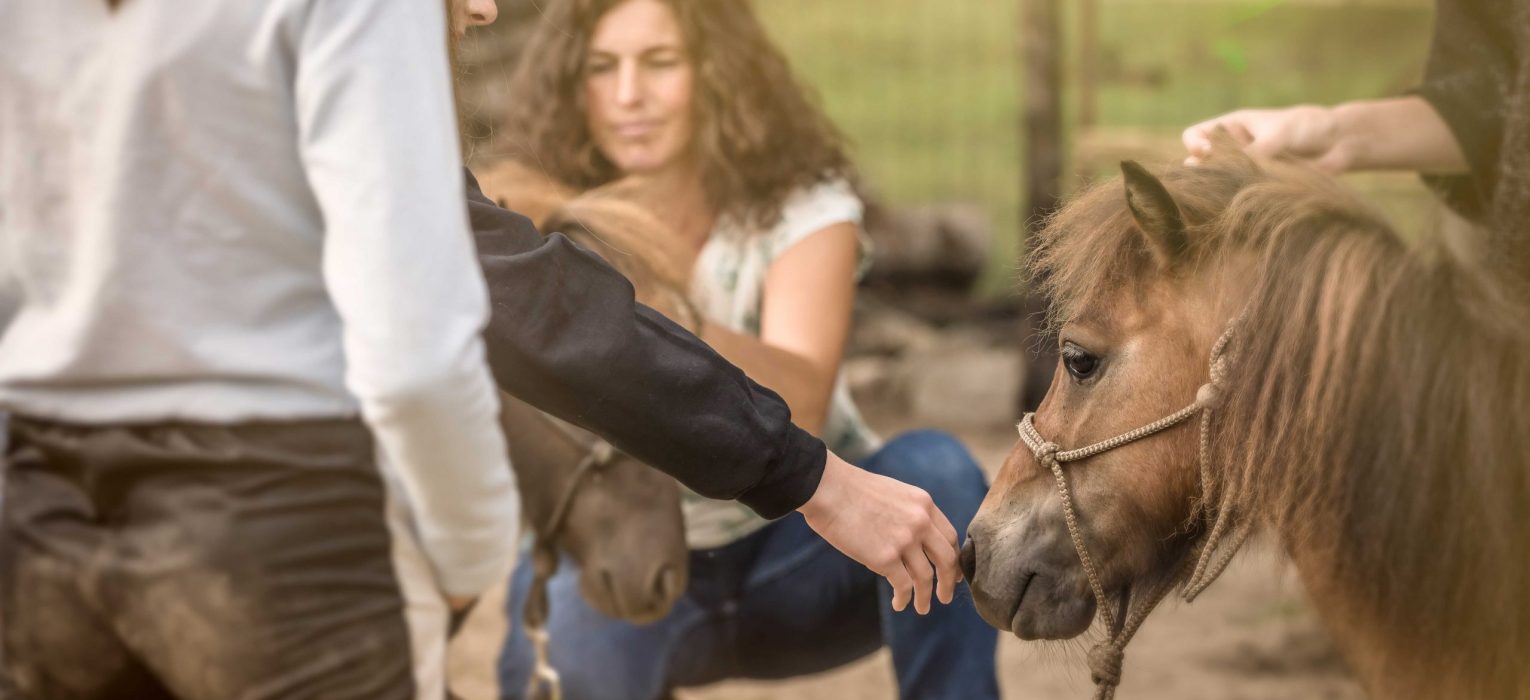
point(1466, 80)
point(567, 337)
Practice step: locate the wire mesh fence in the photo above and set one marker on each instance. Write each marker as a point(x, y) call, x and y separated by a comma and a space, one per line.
point(930, 92)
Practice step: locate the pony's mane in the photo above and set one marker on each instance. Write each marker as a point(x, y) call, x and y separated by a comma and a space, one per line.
point(526, 191)
point(1381, 427)
point(616, 221)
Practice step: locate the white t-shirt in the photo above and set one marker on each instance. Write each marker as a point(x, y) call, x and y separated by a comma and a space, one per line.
point(728, 288)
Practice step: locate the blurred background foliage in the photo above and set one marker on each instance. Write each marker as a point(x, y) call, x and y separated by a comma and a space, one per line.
point(929, 91)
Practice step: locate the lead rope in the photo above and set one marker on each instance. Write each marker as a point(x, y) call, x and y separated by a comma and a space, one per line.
point(544, 559)
point(544, 676)
point(1105, 658)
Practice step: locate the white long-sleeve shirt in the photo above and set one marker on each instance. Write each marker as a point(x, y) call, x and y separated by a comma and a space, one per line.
point(227, 210)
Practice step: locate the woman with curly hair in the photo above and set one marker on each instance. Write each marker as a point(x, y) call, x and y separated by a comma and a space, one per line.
point(690, 98)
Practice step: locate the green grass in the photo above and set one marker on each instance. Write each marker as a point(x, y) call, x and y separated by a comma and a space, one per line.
point(929, 90)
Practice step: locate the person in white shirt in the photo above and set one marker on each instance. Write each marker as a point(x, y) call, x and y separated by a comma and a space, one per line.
point(234, 237)
point(234, 228)
point(7, 309)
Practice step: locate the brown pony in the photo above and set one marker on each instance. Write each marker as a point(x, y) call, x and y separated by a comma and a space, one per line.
point(1371, 411)
point(623, 524)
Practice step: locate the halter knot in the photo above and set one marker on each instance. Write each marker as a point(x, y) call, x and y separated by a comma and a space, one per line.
point(1105, 664)
point(1046, 452)
point(1208, 395)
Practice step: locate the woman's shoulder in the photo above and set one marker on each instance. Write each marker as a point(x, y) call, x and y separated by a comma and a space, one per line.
point(813, 208)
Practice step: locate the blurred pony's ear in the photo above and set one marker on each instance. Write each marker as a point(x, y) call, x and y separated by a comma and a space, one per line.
point(1156, 213)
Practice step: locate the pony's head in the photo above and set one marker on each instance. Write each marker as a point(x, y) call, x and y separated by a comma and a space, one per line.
point(1370, 417)
point(1136, 311)
point(621, 522)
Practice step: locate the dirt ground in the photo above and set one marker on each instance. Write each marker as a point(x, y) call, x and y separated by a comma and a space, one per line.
point(1251, 636)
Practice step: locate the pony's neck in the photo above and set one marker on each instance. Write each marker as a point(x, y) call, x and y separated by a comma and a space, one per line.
point(1374, 423)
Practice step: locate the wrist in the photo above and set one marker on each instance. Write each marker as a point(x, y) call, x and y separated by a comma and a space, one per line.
point(1354, 126)
point(830, 486)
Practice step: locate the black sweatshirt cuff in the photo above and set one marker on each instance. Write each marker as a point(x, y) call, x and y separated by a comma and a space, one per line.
point(792, 479)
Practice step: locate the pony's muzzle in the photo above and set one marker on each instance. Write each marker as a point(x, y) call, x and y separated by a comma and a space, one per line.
point(1025, 581)
point(667, 585)
point(636, 599)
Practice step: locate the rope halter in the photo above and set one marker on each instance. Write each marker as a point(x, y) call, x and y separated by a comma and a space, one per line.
point(1105, 659)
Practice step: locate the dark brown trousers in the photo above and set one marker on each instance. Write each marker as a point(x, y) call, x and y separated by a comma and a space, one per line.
point(198, 562)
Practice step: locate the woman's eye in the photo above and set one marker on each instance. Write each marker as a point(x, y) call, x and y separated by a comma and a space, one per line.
point(1080, 363)
point(599, 68)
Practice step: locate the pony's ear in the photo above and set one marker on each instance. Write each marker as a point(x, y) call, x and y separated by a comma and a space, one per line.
point(1156, 213)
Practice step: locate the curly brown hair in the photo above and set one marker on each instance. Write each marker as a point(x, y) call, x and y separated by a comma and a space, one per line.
point(760, 133)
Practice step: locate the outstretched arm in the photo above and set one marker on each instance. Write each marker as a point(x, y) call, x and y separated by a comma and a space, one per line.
point(1400, 133)
point(567, 336)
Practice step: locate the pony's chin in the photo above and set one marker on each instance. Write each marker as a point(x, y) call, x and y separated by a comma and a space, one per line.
point(634, 608)
point(1048, 611)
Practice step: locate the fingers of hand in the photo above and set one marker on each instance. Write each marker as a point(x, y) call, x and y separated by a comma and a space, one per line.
point(1240, 130)
point(1198, 138)
point(948, 570)
point(924, 577)
point(902, 586)
point(1196, 141)
point(943, 526)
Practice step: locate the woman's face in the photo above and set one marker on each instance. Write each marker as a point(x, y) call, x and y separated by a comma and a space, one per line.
point(637, 87)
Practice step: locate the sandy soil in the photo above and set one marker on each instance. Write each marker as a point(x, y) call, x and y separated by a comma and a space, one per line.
point(1251, 636)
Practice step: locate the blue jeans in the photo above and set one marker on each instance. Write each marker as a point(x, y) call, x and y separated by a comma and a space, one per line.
point(776, 604)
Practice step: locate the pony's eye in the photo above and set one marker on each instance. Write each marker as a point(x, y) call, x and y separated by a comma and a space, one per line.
point(1080, 363)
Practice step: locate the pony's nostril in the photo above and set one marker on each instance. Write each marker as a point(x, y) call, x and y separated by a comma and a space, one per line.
point(666, 582)
point(607, 580)
point(969, 559)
